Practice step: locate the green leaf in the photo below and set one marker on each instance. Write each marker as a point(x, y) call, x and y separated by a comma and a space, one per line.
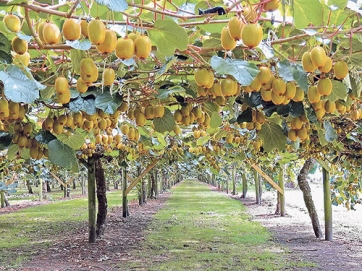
point(330, 133)
point(202, 140)
point(47, 93)
point(168, 36)
point(300, 76)
point(215, 120)
point(79, 44)
point(19, 87)
point(165, 93)
point(86, 104)
point(13, 152)
point(16, 2)
point(115, 5)
point(107, 102)
point(166, 66)
point(341, 4)
point(74, 141)
point(321, 135)
point(339, 91)
point(306, 12)
point(166, 123)
point(76, 57)
point(356, 85)
point(44, 137)
point(272, 136)
point(210, 107)
point(285, 70)
point(243, 71)
point(5, 58)
point(5, 44)
point(5, 140)
point(324, 164)
point(61, 154)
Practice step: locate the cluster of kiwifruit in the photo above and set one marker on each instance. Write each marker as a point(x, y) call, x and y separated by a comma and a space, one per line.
point(219, 89)
point(148, 112)
point(11, 111)
point(258, 119)
point(211, 158)
point(188, 114)
point(245, 27)
point(19, 46)
point(299, 128)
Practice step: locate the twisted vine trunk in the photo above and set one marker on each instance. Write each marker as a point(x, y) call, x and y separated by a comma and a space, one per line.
point(102, 198)
point(307, 195)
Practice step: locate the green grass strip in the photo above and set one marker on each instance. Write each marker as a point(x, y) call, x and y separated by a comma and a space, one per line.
point(27, 229)
point(200, 229)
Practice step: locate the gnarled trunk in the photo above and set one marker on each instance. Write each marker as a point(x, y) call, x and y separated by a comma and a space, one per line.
point(307, 195)
point(102, 198)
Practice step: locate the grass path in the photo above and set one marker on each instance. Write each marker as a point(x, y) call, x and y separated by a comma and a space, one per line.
point(200, 229)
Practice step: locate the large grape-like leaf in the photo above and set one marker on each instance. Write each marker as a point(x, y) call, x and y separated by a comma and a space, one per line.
point(163, 93)
point(166, 123)
point(300, 76)
point(61, 154)
point(79, 44)
point(341, 4)
point(330, 133)
point(85, 104)
point(339, 91)
point(285, 70)
point(44, 137)
point(115, 5)
point(5, 44)
point(76, 57)
point(74, 141)
point(107, 102)
point(272, 136)
point(243, 71)
point(215, 120)
point(168, 36)
point(18, 86)
point(306, 12)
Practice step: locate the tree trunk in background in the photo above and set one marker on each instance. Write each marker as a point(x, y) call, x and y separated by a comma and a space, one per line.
point(30, 190)
point(92, 236)
point(156, 183)
point(48, 187)
point(149, 185)
point(140, 187)
point(245, 186)
point(144, 191)
point(102, 198)
point(257, 187)
point(7, 203)
point(74, 185)
point(307, 195)
point(153, 185)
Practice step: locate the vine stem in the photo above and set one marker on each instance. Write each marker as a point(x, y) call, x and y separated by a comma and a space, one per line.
point(32, 30)
point(70, 12)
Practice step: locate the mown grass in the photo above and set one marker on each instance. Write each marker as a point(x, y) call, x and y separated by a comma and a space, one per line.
point(199, 229)
point(25, 230)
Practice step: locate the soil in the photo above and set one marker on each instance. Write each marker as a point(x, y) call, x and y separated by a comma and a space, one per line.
point(293, 232)
point(72, 251)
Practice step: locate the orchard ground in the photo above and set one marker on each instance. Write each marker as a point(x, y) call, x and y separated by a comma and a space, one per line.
point(295, 231)
point(292, 234)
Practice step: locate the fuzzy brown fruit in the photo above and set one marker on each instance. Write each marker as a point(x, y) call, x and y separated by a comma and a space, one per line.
point(125, 48)
point(19, 46)
point(71, 29)
point(227, 42)
point(252, 35)
point(235, 27)
point(109, 43)
point(143, 47)
point(12, 22)
point(51, 33)
point(96, 31)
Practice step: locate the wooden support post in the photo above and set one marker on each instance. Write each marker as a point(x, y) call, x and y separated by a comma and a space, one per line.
point(327, 206)
point(40, 190)
point(2, 198)
point(257, 188)
point(280, 195)
point(234, 179)
point(157, 183)
point(245, 185)
point(92, 212)
point(124, 192)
